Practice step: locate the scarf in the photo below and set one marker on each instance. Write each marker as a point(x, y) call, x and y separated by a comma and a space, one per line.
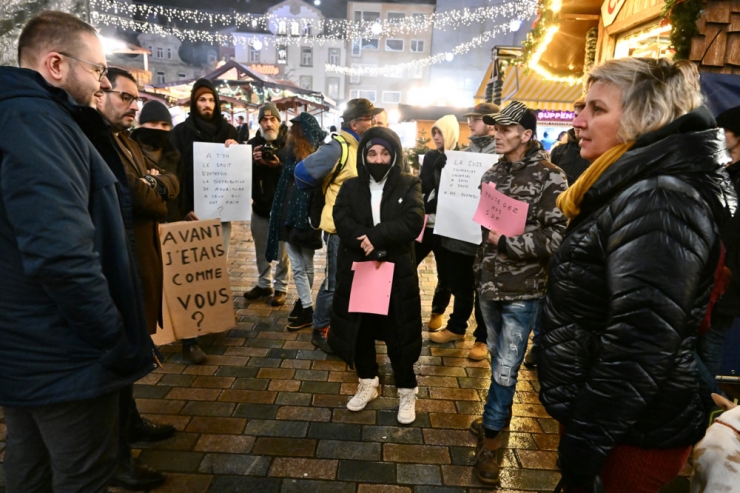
point(570, 201)
point(481, 141)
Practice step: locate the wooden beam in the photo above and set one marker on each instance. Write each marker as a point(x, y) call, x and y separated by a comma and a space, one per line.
point(642, 17)
point(580, 17)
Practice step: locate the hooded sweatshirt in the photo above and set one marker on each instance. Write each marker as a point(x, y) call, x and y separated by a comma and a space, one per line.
point(196, 129)
point(434, 161)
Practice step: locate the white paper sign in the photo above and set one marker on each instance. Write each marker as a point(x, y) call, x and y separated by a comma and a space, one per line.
point(459, 195)
point(222, 181)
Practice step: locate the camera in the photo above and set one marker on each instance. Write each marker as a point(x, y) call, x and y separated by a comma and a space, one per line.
point(268, 152)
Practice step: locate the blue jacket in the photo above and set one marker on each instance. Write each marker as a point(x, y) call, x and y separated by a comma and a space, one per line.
point(71, 311)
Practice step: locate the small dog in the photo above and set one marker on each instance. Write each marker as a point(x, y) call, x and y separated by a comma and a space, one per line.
point(717, 456)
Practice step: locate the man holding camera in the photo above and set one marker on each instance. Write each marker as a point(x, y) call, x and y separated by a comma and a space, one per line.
point(268, 154)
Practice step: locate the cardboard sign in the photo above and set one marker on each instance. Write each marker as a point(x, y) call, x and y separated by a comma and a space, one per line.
point(499, 212)
point(222, 181)
point(420, 238)
point(371, 287)
point(459, 194)
point(197, 290)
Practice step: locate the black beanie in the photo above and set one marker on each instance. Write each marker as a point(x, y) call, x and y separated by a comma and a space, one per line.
point(154, 111)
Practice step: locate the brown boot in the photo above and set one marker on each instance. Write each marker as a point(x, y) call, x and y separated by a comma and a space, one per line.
point(487, 460)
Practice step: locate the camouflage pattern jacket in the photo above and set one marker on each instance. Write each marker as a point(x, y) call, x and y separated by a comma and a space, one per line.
point(521, 272)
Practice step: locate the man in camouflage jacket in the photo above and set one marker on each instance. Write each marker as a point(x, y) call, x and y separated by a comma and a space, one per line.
point(511, 272)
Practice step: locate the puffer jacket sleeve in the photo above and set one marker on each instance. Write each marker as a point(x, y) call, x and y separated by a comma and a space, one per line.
point(659, 248)
point(545, 238)
point(407, 226)
point(348, 228)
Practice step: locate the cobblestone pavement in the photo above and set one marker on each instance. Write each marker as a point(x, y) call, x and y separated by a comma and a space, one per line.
point(266, 413)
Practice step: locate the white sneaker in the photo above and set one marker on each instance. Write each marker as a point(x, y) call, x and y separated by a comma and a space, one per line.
point(407, 405)
point(366, 392)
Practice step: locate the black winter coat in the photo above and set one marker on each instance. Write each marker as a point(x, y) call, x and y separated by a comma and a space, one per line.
point(729, 303)
point(402, 218)
point(568, 158)
point(265, 178)
point(627, 291)
point(430, 174)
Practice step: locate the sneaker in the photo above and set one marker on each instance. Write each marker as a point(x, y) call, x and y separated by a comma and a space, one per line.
point(478, 352)
point(144, 430)
point(530, 359)
point(305, 319)
point(320, 339)
point(435, 322)
point(257, 292)
point(444, 336)
point(296, 312)
point(194, 353)
point(487, 463)
point(407, 405)
point(366, 392)
point(278, 298)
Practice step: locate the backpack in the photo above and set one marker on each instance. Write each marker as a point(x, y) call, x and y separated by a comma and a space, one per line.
point(317, 200)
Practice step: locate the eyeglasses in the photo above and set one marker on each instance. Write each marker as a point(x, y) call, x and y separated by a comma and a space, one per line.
point(473, 119)
point(126, 97)
point(100, 71)
point(367, 119)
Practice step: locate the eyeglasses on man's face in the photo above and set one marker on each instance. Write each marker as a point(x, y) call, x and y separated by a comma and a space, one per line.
point(473, 119)
point(366, 119)
point(126, 97)
point(100, 71)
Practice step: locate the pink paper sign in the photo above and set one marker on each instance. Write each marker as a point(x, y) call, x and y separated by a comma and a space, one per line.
point(497, 211)
point(421, 235)
point(371, 287)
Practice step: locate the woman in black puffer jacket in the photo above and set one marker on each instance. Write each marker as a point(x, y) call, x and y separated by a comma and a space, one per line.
point(378, 215)
point(630, 283)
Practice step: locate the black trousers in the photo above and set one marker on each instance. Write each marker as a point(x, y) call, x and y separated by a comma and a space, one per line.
point(69, 447)
point(377, 326)
point(462, 284)
point(433, 243)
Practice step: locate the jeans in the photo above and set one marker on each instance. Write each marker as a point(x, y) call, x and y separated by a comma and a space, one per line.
point(301, 263)
point(325, 298)
point(259, 227)
point(432, 243)
point(509, 324)
point(69, 447)
point(709, 349)
point(462, 283)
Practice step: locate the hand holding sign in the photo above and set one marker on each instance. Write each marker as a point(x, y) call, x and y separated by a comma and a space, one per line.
point(499, 212)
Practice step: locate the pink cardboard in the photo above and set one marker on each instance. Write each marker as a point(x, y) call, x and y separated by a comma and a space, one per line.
point(371, 287)
point(421, 235)
point(498, 212)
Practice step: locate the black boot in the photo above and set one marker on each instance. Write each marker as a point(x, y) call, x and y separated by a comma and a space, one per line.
point(297, 309)
point(305, 319)
point(320, 339)
point(133, 476)
point(143, 430)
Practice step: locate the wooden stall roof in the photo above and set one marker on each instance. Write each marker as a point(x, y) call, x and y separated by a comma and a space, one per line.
point(717, 49)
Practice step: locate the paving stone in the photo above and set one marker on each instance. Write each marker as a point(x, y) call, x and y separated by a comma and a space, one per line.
point(276, 428)
point(390, 418)
point(335, 431)
point(233, 444)
point(265, 362)
point(179, 422)
point(188, 394)
point(235, 371)
point(284, 385)
point(418, 474)
point(418, 454)
point(247, 351)
point(296, 413)
point(434, 381)
point(454, 394)
point(339, 366)
point(340, 449)
point(365, 417)
point(312, 387)
point(304, 468)
point(538, 459)
point(179, 441)
point(151, 391)
point(342, 376)
point(434, 406)
point(311, 354)
point(392, 434)
point(213, 382)
point(250, 396)
point(171, 460)
point(256, 411)
point(178, 483)
point(382, 488)
point(366, 472)
point(529, 425)
point(250, 384)
point(470, 407)
point(285, 447)
point(548, 425)
point(242, 465)
point(313, 486)
point(441, 489)
point(545, 441)
point(529, 479)
point(159, 406)
point(239, 484)
point(227, 426)
point(312, 375)
point(328, 400)
point(281, 373)
point(150, 379)
point(293, 399)
point(296, 364)
point(448, 420)
point(442, 371)
point(462, 438)
point(463, 456)
point(208, 370)
point(199, 408)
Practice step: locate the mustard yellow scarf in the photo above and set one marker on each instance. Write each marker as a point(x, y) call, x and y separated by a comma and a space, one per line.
point(570, 201)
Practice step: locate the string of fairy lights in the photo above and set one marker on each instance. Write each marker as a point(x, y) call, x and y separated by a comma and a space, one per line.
point(289, 30)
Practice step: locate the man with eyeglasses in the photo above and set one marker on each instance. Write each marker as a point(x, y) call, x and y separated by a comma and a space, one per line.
point(151, 188)
point(72, 330)
point(324, 171)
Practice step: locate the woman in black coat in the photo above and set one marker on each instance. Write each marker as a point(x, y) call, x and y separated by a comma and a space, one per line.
point(378, 215)
point(630, 283)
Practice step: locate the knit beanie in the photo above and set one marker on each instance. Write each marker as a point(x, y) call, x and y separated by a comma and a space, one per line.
point(154, 111)
point(269, 109)
point(382, 142)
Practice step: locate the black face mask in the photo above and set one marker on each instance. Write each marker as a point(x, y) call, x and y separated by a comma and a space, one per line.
point(378, 171)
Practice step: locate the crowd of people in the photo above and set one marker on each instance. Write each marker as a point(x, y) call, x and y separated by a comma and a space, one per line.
point(626, 344)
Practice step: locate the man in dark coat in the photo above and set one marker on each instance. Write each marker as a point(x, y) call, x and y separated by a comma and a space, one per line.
point(72, 328)
point(269, 155)
point(568, 156)
point(205, 124)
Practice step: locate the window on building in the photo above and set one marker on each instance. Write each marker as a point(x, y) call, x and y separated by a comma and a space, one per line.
point(306, 56)
point(396, 17)
point(254, 55)
point(356, 47)
point(332, 87)
point(370, 44)
point(169, 53)
point(416, 73)
point(393, 45)
point(307, 29)
point(334, 56)
point(417, 46)
point(160, 77)
point(392, 97)
point(295, 29)
point(366, 16)
point(182, 75)
point(160, 52)
point(363, 93)
point(306, 82)
point(419, 18)
point(212, 58)
point(151, 52)
point(282, 28)
point(355, 79)
point(282, 54)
